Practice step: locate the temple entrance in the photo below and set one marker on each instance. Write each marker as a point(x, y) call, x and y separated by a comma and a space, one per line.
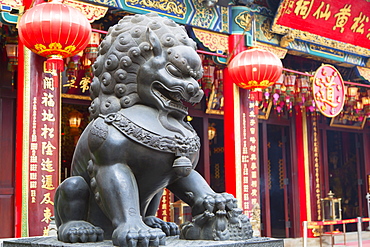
point(211, 160)
point(275, 180)
point(8, 186)
point(346, 172)
point(216, 152)
point(75, 118)
point(7, 152)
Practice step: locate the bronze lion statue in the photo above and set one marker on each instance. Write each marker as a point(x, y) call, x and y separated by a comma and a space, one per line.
point(138, 143)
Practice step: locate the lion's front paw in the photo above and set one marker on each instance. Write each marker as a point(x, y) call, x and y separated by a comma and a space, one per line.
point(219, 220)
point(137, 234)
point(216, 202)
point(212, 202)
point(79, 231)
point(207, 226)
point(170, 228)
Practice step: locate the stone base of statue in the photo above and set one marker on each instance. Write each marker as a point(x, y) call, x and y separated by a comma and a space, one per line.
point(170, 241)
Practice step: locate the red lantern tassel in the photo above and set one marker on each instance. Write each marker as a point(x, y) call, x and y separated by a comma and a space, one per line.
point(256, 95)
point(55, 63)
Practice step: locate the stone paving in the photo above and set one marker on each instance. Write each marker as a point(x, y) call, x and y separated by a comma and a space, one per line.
point(170, 242)
point(288, 242)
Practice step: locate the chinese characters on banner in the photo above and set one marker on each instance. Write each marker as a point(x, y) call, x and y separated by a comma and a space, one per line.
point(44, 150)
point(249, 156)
point(316, 154)
point(347, 21)
point(328, 90)
point(164, 212)
point(78, 79)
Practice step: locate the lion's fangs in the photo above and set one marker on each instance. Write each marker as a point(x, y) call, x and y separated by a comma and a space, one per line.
point(170, 103)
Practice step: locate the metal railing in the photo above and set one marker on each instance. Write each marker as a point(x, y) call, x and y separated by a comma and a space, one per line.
point(311, 224)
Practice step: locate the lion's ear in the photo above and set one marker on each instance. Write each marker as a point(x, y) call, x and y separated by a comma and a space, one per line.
point(154, 42)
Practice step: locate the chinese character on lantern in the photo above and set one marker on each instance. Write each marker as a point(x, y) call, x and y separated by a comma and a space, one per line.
point(328, 91)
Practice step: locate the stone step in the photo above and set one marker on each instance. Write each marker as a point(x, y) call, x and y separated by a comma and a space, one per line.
point(170, 241)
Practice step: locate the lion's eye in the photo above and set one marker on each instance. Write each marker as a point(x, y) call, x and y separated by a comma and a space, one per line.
point(173, 71)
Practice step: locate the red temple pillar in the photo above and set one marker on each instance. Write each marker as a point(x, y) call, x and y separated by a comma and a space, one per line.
point(241, 143)
point(29, 133)
point(231, 110)
point(19, 142)
point(38, 145)
point(303, 171)
point(20, 208)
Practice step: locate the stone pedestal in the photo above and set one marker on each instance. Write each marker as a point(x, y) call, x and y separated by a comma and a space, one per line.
point(170, 241)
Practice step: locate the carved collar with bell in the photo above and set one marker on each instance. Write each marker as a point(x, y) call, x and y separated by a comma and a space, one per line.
point(172, 144)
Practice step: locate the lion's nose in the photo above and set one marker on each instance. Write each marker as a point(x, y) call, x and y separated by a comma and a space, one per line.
point(195, 93)
point(191, 90)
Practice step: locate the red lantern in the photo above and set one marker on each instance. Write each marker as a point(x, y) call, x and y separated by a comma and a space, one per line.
point(255, 69)
point(54, 30)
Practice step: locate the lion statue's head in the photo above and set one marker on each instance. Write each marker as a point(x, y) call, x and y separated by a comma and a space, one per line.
point(148, 60)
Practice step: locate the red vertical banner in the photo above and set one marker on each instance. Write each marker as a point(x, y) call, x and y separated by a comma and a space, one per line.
point(44, 146)
point(249, 160)
point(316, 164)
point(164, 211)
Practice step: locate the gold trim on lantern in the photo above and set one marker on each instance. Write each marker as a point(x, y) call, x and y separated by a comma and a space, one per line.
point(255, 84)
point(54, 49)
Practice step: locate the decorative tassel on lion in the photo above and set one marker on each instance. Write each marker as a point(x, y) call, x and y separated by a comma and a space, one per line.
point(138, 143)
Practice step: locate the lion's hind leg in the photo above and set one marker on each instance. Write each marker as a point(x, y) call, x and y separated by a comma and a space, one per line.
point(117, 194)
point(71, 209)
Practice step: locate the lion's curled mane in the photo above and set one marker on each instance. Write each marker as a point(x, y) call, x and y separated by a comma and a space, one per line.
point(121, 54)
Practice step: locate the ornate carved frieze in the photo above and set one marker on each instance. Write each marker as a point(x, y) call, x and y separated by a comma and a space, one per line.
point(92, 12)
point(176, 9)
point(216, 42)
point(244, 20)
point(364, 72)
point(278, 51)
point(12, 3)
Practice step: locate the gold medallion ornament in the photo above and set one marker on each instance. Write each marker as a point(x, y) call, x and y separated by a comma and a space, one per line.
point(328, 90)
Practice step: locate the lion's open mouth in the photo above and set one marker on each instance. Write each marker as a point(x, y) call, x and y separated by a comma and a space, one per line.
point(169, 99)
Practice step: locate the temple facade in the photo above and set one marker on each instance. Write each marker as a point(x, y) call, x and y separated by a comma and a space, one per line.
point(303, 139)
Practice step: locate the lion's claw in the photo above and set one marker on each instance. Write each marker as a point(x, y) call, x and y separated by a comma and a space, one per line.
point(169, 228)
point(137, 235)
point(79, 231)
